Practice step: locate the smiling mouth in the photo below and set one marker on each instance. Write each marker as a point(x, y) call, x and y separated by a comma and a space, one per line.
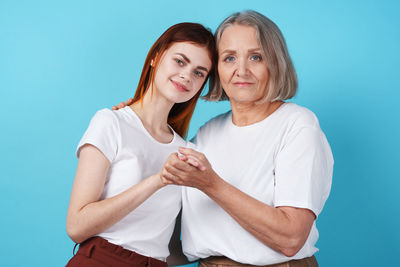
point(180, 87)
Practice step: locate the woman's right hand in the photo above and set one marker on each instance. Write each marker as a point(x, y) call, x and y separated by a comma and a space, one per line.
point(123, 104)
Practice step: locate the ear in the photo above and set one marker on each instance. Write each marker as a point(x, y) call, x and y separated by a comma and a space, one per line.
point(152, 61)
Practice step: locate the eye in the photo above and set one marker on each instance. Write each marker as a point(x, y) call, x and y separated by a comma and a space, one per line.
point(229, 59)
point(198, 74)
point(256, 58)
point(180, 62)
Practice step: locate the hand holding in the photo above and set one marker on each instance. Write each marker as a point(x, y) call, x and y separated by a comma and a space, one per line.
point(184, 172)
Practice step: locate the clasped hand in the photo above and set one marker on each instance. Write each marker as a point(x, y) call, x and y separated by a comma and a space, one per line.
point(189, 169)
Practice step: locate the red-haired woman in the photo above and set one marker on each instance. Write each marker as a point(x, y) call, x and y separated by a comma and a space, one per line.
point(120, 211)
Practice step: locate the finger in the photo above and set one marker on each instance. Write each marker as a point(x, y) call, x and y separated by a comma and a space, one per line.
point(166, 181)
point(175, 172)
point(169, 177)
point(114, 108)
point(172, 158)
point(192, 162)
point(180, 163)
point(129, 101)
point(197, 163)
point(191, 152)
point(202, 167)
point(121, 105)
point(182, 166)
point(183, 157)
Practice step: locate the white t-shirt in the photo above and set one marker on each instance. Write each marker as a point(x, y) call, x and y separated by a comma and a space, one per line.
point(135, 155)
point(284, 160)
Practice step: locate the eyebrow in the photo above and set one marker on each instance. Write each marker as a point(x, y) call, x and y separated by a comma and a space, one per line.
point(188, 61)
point(230, 51)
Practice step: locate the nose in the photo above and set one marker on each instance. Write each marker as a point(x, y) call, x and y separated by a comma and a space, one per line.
point(242, 68)
point(184, 76)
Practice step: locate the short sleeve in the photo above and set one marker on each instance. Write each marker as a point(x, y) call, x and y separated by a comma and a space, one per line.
point(103, 133)
point(303, 170)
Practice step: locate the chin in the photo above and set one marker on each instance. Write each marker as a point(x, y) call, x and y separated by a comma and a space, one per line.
point(245, 98)
point(178, 98)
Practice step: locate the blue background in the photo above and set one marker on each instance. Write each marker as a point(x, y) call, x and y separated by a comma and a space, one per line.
point(60, 61)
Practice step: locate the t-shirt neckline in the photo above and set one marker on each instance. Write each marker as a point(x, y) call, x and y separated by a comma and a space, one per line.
point(256, 124)
point(136, 117)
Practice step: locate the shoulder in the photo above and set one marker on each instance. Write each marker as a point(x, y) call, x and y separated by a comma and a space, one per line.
point(211, 127)
point(217, 122)
point(106, 116)
point(105, 119)
point(299, 117)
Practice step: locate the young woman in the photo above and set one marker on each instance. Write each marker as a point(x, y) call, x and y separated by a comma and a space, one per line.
point(120, 212)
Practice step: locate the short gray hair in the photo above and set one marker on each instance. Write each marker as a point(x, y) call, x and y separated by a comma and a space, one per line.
point(282, 83)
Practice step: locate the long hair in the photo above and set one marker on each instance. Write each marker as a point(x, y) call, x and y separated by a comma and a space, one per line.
point(181, 113)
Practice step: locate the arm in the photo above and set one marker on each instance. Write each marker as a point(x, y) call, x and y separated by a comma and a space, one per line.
point(284, 229)
point(87, 215)
point(176, 256)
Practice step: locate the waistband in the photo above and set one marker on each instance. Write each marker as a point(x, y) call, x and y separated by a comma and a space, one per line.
point(222, 260)
point(101, 249)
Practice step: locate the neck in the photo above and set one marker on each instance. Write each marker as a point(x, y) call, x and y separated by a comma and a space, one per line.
point(153, 112)
point(244, 114)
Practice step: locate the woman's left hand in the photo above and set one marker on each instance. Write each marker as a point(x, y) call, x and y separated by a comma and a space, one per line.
point(182, 170)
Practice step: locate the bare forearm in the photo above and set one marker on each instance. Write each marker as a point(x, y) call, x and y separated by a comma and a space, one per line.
point(98, 216)
point(270, 225)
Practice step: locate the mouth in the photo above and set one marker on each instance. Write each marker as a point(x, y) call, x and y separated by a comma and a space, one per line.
point(243, 84)
point(180, 87)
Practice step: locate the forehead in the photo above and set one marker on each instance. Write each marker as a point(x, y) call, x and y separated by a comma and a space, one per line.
point(238, 36)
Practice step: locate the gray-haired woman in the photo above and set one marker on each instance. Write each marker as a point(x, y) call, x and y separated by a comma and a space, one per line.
point(261, 173)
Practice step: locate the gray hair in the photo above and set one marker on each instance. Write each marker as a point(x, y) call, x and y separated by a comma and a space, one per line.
point(282, 83)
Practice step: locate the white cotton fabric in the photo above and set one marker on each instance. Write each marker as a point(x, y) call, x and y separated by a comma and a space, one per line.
point(135, 155)
point(284, 160)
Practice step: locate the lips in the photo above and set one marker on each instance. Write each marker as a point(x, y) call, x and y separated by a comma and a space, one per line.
point(242, 84)
point(180, 87)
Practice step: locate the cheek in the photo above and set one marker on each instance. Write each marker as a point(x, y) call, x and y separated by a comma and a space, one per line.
point(262, 75)
point(167, 68)
point(223, 72)
point(197, 83)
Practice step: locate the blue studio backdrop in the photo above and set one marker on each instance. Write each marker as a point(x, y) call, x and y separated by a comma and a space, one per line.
point(61, 61)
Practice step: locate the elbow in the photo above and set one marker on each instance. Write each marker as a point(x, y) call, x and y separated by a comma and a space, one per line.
point(291, 246)
point(289, 252)
point(74, 233)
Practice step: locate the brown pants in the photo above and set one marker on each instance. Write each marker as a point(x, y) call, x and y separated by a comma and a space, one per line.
point(98, 252)
point(224, 262)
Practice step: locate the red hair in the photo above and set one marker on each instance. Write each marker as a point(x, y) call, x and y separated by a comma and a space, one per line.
point(181, 113)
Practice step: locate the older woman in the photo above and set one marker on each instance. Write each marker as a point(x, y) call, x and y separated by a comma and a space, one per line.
point(264, 172)
point(262, 176)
